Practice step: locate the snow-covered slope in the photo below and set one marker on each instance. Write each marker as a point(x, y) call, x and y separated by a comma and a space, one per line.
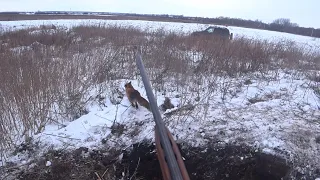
point(279, 116)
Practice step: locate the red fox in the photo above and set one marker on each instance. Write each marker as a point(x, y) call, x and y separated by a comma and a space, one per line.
point(134, 97)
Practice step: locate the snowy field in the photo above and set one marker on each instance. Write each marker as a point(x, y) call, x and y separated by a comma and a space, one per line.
point(307, 42)
point(278, 114)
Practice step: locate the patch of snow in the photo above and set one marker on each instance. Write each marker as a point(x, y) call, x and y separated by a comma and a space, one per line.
point(48, 163)
point(46, 31)
point(20, 49)
point(104, 15)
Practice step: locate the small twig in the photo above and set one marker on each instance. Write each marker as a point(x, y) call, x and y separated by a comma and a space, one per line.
point(99, 178)
point(135, 171)
point(61, 136)
point(105, 172)
point(125, 110)
point(124, 105)
point(104, 118)
point(51, 119)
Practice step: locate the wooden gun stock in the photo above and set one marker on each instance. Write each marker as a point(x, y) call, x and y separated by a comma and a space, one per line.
point(162, 160)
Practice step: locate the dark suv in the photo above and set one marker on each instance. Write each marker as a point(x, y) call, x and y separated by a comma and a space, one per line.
point(216, 31)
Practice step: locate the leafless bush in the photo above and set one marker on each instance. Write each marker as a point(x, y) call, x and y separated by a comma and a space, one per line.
point(47, 73)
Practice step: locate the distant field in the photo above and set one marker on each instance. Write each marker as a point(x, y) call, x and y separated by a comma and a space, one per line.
point(17, 17)
point(305, 42)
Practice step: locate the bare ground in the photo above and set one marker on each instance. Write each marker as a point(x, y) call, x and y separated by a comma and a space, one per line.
point(140, 162)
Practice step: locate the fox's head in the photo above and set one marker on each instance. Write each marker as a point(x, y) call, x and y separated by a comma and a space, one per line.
point(128, 85)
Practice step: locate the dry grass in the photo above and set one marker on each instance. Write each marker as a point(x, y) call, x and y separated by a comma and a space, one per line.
point(46, 73)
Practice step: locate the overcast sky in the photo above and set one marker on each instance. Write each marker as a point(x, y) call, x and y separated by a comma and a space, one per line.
point(305, 13)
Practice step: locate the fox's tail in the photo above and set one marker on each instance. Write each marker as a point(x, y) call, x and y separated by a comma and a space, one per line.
point(143, 102)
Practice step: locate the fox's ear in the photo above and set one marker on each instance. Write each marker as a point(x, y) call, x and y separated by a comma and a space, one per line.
point(129, 82)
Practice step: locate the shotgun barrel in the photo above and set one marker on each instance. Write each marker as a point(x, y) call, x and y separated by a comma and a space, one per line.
point(170, 157)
